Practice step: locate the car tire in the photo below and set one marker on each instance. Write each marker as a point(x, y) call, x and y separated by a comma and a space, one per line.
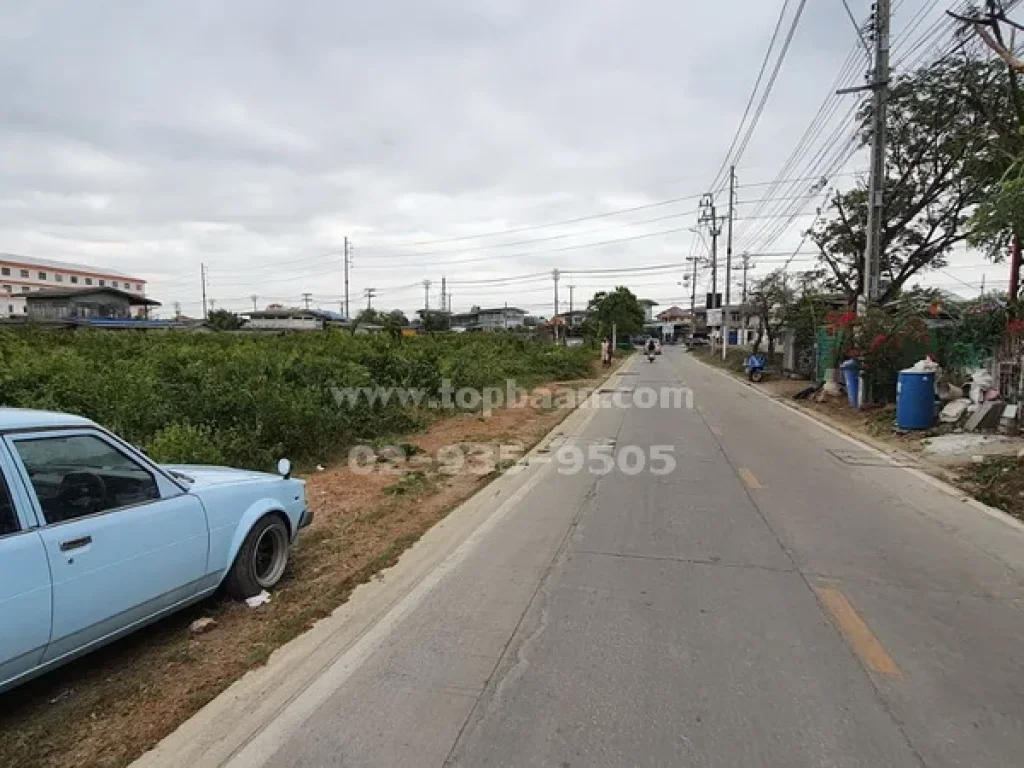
point(262, 560)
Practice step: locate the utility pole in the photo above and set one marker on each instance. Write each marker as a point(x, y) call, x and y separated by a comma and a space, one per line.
point(305, 299)
point(746, 266)
point(568, 320)
point(369, 293)
point(213, 304)
point(426, 298)
point(347, 316)
point(444, 295)
point(709, 216)
point(254, 297)
point(554, 318)
point(693, 296)
point(876, 183)
point(177, 309)
point(202, 274)
point(728, 260)
point(879, 87)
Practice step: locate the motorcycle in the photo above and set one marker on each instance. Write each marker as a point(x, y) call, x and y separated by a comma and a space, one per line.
point(755, 367)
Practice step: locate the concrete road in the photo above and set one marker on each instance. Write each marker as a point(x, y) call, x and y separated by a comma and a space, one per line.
point(784, 597)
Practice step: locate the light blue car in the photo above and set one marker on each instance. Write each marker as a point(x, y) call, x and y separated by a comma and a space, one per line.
point(96, 540)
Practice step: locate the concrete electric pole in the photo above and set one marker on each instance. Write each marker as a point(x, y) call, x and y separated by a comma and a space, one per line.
point(554, 318)
point(347, 316)
point(254, 297)
point(305, 299)
point(202, 277)
point(746, 266)
point(426, 298)
point(876, 182)
point(693, 295)
point(728, 260)
point(369, 293)
point(709, 216)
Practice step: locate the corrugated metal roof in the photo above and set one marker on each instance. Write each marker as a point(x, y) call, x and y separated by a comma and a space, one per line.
point(61, 293)
point(33, 261)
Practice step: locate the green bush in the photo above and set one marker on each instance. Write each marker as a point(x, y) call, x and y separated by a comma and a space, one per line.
point(248, 400)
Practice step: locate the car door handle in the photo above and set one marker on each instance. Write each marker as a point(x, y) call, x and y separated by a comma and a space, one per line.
point(67, 546)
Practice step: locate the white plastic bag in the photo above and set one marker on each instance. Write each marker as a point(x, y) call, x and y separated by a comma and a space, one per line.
point(981, 382)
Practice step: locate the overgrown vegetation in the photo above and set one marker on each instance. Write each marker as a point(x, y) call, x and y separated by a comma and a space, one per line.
point(248, 400)
point(999, 483)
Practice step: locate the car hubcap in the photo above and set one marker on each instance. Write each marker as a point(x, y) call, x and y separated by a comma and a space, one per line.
point(270, 557)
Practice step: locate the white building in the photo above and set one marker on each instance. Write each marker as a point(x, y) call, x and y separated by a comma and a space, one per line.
point(20, 275)
point(498, 318)
point(742, 324)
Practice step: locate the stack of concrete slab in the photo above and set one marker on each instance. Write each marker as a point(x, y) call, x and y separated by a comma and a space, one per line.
point(987, 416)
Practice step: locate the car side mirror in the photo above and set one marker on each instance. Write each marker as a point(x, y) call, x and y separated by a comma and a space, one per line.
point(284, 468)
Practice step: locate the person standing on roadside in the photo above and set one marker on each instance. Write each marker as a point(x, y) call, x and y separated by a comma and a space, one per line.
point(606, 353)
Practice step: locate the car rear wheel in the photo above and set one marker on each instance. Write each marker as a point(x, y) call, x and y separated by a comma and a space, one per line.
point(262, 560)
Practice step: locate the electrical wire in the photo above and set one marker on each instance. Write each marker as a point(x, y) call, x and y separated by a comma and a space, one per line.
point(753, 92)
point(771, 83)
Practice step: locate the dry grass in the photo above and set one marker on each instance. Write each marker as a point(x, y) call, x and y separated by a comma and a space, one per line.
point(998, 482)
point(113, 705)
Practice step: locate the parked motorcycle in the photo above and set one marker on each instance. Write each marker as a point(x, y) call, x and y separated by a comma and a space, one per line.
point(755, 367)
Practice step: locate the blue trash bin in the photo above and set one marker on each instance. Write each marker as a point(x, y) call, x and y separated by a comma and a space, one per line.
point(851, 374)
point(915, 399)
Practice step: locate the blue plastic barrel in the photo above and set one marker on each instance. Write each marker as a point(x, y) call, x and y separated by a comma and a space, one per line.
point(851, 375)
point(915, 399)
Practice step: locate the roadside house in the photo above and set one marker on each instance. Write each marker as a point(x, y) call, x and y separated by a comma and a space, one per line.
point(87, 304)
point(499, 318)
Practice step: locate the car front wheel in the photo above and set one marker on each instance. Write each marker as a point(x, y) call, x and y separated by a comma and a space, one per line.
point(262, 560)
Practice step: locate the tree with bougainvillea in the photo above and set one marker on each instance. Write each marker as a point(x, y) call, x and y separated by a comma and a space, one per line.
point(880, 341)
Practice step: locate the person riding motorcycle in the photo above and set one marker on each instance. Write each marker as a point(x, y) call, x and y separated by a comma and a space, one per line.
point(650, 349)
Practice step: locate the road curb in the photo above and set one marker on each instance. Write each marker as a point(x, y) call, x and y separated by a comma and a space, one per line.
point(866, 442)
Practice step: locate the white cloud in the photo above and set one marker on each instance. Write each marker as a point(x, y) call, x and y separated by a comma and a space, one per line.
point(254, 135)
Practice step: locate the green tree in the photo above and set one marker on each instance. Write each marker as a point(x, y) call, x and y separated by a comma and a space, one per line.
point(1000, 213)
point(223, 320)
point(619, 308)
point(370, 316)
point(393, 322)
point(435, 320)
point(770, 299)
point(942, 160)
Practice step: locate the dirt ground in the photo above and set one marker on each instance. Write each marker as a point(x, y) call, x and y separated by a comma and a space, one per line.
point(998, 482)
point(111, 706)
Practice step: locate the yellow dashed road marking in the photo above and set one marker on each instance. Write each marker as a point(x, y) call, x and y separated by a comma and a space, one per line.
point(750, 480)
point(858, 634)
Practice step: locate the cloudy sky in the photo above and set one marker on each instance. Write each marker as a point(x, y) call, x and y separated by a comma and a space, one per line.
point(475, 141)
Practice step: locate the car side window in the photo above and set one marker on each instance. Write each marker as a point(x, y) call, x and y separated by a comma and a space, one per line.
point(79, 475)
point(8, 517)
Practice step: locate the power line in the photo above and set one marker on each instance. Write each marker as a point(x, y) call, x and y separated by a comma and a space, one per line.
point(771, 83)
point(753, 92)
point(782, 186)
